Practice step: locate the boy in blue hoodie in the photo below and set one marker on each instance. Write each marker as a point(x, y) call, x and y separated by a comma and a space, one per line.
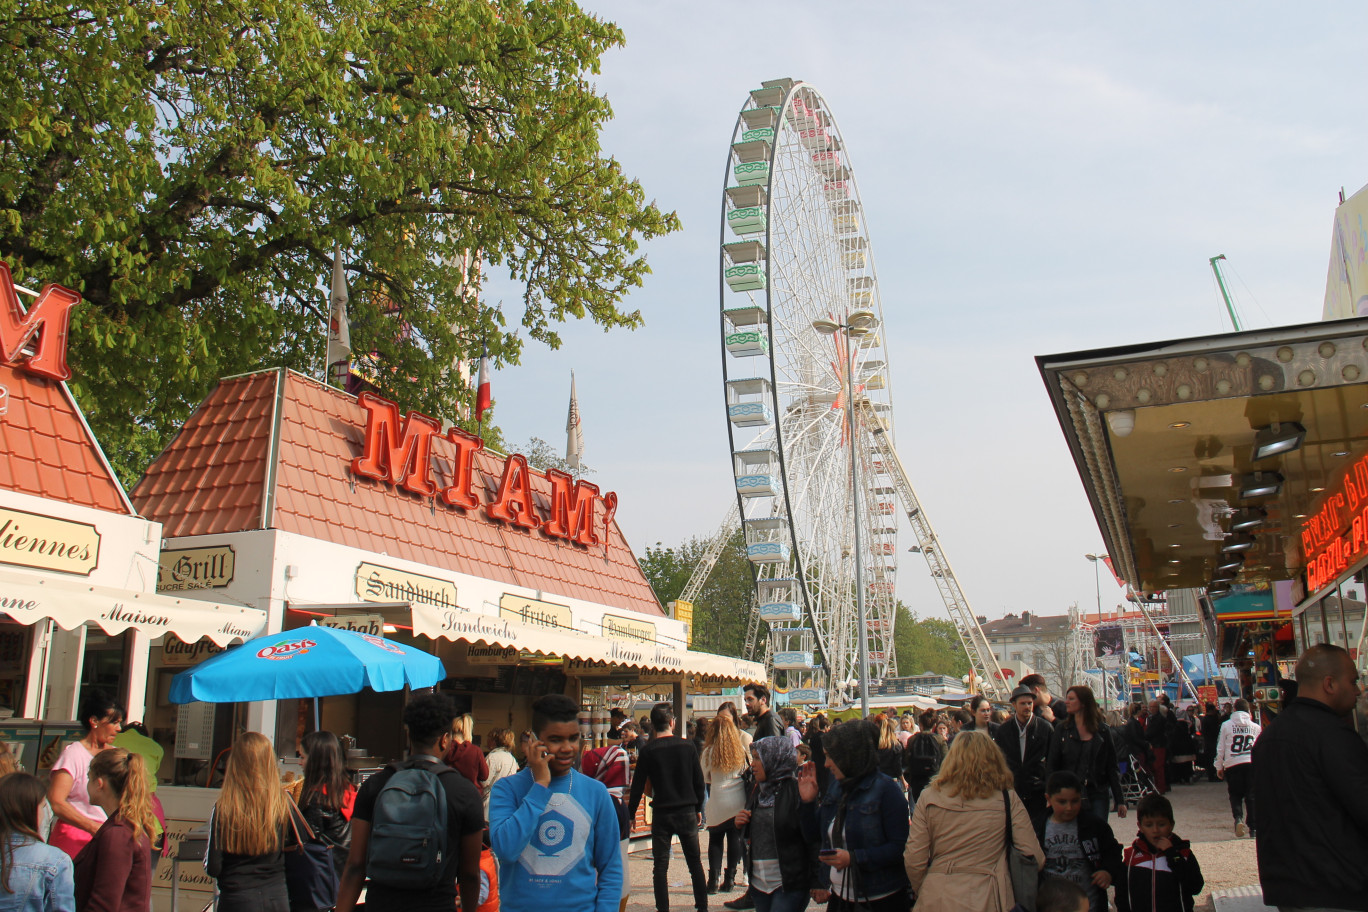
point(553, 829)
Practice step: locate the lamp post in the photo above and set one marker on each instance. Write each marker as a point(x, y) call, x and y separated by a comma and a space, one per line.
point(858, 323)
point(1097, 585)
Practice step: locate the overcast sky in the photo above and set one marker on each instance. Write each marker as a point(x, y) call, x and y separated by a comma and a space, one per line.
point(1037, 178)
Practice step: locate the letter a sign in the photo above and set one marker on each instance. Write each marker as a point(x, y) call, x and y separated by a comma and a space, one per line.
point(36, 339)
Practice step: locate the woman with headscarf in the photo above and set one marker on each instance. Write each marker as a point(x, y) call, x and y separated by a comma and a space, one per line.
point(782, 861)
point(861, 825)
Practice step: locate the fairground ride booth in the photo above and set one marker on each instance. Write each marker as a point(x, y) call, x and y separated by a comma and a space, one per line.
point(78, 565)
point(1236, 464)
point(321, 507)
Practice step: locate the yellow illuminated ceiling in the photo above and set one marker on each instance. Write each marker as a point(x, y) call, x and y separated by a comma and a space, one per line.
point(1163, 433)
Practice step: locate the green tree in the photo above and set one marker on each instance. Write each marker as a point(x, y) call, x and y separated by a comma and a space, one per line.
point(722, 608)
point(189, 166)
point(927, 644)
point(542, 456)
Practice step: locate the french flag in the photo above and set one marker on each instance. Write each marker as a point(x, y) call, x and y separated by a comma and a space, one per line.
point(482, 398)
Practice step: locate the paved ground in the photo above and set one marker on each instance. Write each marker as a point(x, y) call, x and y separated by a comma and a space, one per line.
point(1203, 816)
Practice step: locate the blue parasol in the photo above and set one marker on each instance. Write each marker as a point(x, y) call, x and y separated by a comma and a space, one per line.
point(306, 662)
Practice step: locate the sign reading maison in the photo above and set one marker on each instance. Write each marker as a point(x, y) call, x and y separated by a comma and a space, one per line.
point(384, 584)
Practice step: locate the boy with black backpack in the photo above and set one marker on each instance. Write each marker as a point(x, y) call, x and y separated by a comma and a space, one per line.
point(417, 826)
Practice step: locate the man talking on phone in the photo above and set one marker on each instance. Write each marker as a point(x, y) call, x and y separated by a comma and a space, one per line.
point(671, 767)
point(554, 829)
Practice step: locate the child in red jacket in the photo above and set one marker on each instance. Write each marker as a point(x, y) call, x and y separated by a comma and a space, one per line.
point(1161, 873)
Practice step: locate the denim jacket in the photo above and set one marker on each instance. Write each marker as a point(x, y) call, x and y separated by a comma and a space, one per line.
point(876, 824)
point(39, 878)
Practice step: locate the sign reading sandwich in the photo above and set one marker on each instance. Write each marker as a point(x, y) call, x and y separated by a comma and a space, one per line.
point(384, 584)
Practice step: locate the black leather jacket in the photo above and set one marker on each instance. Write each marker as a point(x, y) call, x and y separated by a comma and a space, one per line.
point(1092, 761)
point(330, 828)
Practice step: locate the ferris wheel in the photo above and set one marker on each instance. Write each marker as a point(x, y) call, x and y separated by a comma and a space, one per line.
point(795, 251)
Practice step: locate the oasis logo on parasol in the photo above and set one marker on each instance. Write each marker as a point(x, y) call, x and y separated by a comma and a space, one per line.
point(281, 651)
point(399, 451)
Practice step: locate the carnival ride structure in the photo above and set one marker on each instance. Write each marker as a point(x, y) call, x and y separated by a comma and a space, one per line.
point(796, 263)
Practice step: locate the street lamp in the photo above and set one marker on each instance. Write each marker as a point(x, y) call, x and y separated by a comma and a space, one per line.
point(1097, 585)
point(858, 323)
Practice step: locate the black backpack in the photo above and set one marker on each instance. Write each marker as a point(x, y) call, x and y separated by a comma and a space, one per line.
point(408, 839)
point(921, 757)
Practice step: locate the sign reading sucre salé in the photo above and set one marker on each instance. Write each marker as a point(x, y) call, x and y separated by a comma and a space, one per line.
point(375, 583)
point(47, 543)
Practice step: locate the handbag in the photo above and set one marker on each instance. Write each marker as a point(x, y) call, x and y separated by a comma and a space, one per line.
point(310, 875)
point(1022, 868)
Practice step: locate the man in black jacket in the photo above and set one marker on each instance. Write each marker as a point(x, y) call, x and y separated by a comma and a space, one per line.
point(1211, 732)
point(671, 766)
point(1043, 699)
point(1157, 733)
point(1311, 788)
point(1025, 741)
point(767, 724)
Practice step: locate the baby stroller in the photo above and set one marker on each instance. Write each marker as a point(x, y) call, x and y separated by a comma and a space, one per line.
point(1135, 781)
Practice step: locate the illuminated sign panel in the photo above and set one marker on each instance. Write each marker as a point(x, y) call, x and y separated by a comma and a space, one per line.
point(1336, 536)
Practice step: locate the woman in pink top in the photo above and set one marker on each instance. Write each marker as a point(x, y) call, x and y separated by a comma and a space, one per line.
point(78, 817)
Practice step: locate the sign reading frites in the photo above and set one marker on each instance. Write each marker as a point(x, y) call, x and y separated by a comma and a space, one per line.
point(383, 584)
point(620, 628)
point(45, 543)
point(195, 568)
point(176, 653)
point(373, 624)
point(539, 614)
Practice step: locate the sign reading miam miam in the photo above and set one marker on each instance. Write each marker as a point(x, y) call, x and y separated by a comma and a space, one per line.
point(1336, 536)
point(399, 451)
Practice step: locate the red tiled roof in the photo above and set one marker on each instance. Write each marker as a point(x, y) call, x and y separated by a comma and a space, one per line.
point(211, 477)
point(46, 448)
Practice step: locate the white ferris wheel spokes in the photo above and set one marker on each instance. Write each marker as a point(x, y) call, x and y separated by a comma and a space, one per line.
point(795, 249)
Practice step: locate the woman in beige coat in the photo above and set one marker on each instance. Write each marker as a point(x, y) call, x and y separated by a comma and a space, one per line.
point(956, 854)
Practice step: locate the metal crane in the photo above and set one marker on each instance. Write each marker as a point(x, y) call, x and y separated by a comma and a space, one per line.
point(976, 646)
point(706, 563)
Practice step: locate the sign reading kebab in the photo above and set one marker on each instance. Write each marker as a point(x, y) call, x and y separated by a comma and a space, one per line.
point(399, 451)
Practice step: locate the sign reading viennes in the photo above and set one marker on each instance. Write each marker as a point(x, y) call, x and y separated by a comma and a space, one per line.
point(621, 628)
point(532, 611)
point(399, 451)
point(195, 568)
point(384, 584)
point(373, 624)
point(45, 543)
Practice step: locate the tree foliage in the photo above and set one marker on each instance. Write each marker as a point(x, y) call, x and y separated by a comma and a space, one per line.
point(542, 456)
point(927, 644)
point(190, 165)
point(721, 610)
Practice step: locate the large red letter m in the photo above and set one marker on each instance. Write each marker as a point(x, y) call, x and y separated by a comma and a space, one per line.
point(399, 452)
point(572, 509)
point(44, 327)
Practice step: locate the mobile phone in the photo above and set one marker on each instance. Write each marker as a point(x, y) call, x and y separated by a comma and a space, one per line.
point(826, 853)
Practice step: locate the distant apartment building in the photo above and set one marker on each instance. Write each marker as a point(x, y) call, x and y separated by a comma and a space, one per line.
point(1034, 641)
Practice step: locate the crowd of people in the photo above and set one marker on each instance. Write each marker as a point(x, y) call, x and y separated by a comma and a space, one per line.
point(965, 811)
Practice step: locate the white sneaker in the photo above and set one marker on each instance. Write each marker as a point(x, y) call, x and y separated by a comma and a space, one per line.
point(1240, 828)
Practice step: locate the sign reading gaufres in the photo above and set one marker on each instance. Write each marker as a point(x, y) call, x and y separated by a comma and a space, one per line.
point(46, 543)
point(375, 583)
point(195, 568)
point(399, 451)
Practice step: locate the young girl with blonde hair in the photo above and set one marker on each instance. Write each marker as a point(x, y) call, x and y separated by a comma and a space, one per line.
point(954, 856)
point(114, 870)
point(249, 831)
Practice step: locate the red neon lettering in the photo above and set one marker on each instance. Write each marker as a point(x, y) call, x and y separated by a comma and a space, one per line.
point(572, 509)
point(514, 501)
point(460, 493)
point(47, 322)
point(395, 451)
point(610, 504)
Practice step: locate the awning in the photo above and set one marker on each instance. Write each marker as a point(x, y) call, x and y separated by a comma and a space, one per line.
point(471, 627)
point(29, 598)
